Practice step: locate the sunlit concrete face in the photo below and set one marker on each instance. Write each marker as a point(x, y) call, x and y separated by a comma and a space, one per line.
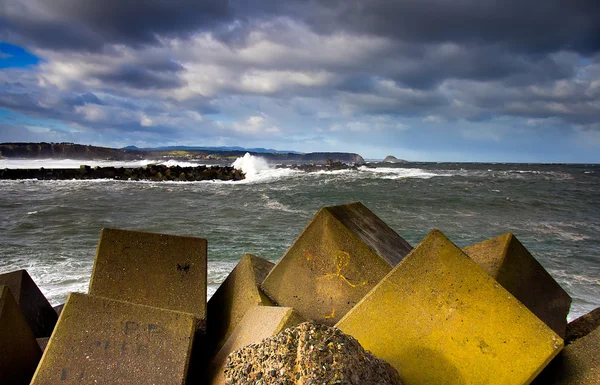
point(341, 255)
point(438, 318)
point(106, 341)
point(165, 271)
point(511, 264)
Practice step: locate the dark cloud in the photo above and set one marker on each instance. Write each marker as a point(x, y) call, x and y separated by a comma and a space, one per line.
point(141, 78)
point(90, 24)
point(520, 24)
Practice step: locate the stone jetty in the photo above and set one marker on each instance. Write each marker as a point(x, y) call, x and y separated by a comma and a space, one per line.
point(350, 302)
point(156, 172)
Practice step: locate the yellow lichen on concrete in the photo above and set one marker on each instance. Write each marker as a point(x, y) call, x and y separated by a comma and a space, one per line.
point(19, 350)
point(258, 323)
point(438, 318)
point(165, 271)
point(511, 264)
point(98, 340)
point(238, 293)
point(342, 253)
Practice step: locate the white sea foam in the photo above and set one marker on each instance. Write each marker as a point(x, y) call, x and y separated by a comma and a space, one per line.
point(257, 169)
point(399, 173)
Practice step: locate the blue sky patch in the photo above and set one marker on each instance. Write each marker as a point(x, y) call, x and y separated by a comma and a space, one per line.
point(12, 56)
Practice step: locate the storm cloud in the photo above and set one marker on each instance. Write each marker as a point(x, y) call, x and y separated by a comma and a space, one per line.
point(305, 74)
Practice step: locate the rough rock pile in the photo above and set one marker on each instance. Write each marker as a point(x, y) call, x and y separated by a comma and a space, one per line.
point(309, 353)
point(153, 172)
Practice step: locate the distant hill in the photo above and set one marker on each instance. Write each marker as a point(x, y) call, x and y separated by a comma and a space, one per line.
point(79, 151)
point(209, 148)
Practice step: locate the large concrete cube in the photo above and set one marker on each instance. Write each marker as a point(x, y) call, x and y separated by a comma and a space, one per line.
point(238, 293)
point(103, 341)
point(339, 257)
point(577, 364)
point(19, 351)
point(258, 323)
point(438, 318)
point(511, 264)
point(165, 271)
point(38, 312)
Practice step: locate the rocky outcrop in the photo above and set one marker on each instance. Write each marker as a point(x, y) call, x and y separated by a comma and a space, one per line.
point(150, 172)
point(393, 159)
point(308, 354)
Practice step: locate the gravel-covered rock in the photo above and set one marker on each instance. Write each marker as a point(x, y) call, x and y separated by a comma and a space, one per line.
point(308, 354)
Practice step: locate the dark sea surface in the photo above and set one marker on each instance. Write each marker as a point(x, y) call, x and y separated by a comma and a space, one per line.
point(51, 228)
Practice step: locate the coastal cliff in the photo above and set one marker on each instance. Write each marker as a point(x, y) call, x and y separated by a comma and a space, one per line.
point(86, 152)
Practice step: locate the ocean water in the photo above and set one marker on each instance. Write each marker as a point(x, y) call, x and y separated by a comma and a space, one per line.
point(51, 228)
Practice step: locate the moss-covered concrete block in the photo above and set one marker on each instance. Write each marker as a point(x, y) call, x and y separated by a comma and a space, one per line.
point(103, 341)
point(258, 323)
point(165, 271)
point(438, 318)
point(577, 364)
point(511, 264)
point(36, 309)
point(238, 293)
point(19, 351)
point(339, 257)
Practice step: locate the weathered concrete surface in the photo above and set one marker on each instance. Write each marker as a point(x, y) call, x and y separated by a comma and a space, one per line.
point(42, 343)
point(238, 293)
point(58, 308)
point(258, 323)
point(577, 364)
point(339, 257)
point(438, 318)
point(583, 326)
point(19, 351)
point(511, 264)
point(308, 354)
point(98, 340)
point(165, 271)
point(35, 307)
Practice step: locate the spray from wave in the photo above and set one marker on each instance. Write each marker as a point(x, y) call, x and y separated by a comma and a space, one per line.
point(250, 165)
point(257, 169)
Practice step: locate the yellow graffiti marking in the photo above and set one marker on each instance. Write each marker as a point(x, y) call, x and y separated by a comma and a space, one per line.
point(342, 259)
point(332, 315)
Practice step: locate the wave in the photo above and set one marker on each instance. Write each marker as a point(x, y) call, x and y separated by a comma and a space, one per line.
point(400, 173)
point(257, 169)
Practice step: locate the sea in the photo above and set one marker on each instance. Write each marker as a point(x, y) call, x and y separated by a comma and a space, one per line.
point(51, 228)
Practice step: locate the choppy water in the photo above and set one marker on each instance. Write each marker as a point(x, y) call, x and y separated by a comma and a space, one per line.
point(51, 228)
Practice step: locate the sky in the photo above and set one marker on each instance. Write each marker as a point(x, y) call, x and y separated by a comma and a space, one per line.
point(423, 80)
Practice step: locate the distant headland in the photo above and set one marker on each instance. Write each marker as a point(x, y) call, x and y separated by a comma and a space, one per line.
point(86, 152)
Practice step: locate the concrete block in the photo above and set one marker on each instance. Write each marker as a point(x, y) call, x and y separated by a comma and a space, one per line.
point(511, 264)
point(438, 318)
point(38, 312)
point(258, 323)
point(583, 326)
point(165, 271)
point(43, 342)
point(58, 308)
point(339, 257)
point(99, 340)
point(19, 351)
point(238, 293)
point(577, 364)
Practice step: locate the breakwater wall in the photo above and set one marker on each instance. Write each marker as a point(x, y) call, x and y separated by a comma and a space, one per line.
point(150, 172)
